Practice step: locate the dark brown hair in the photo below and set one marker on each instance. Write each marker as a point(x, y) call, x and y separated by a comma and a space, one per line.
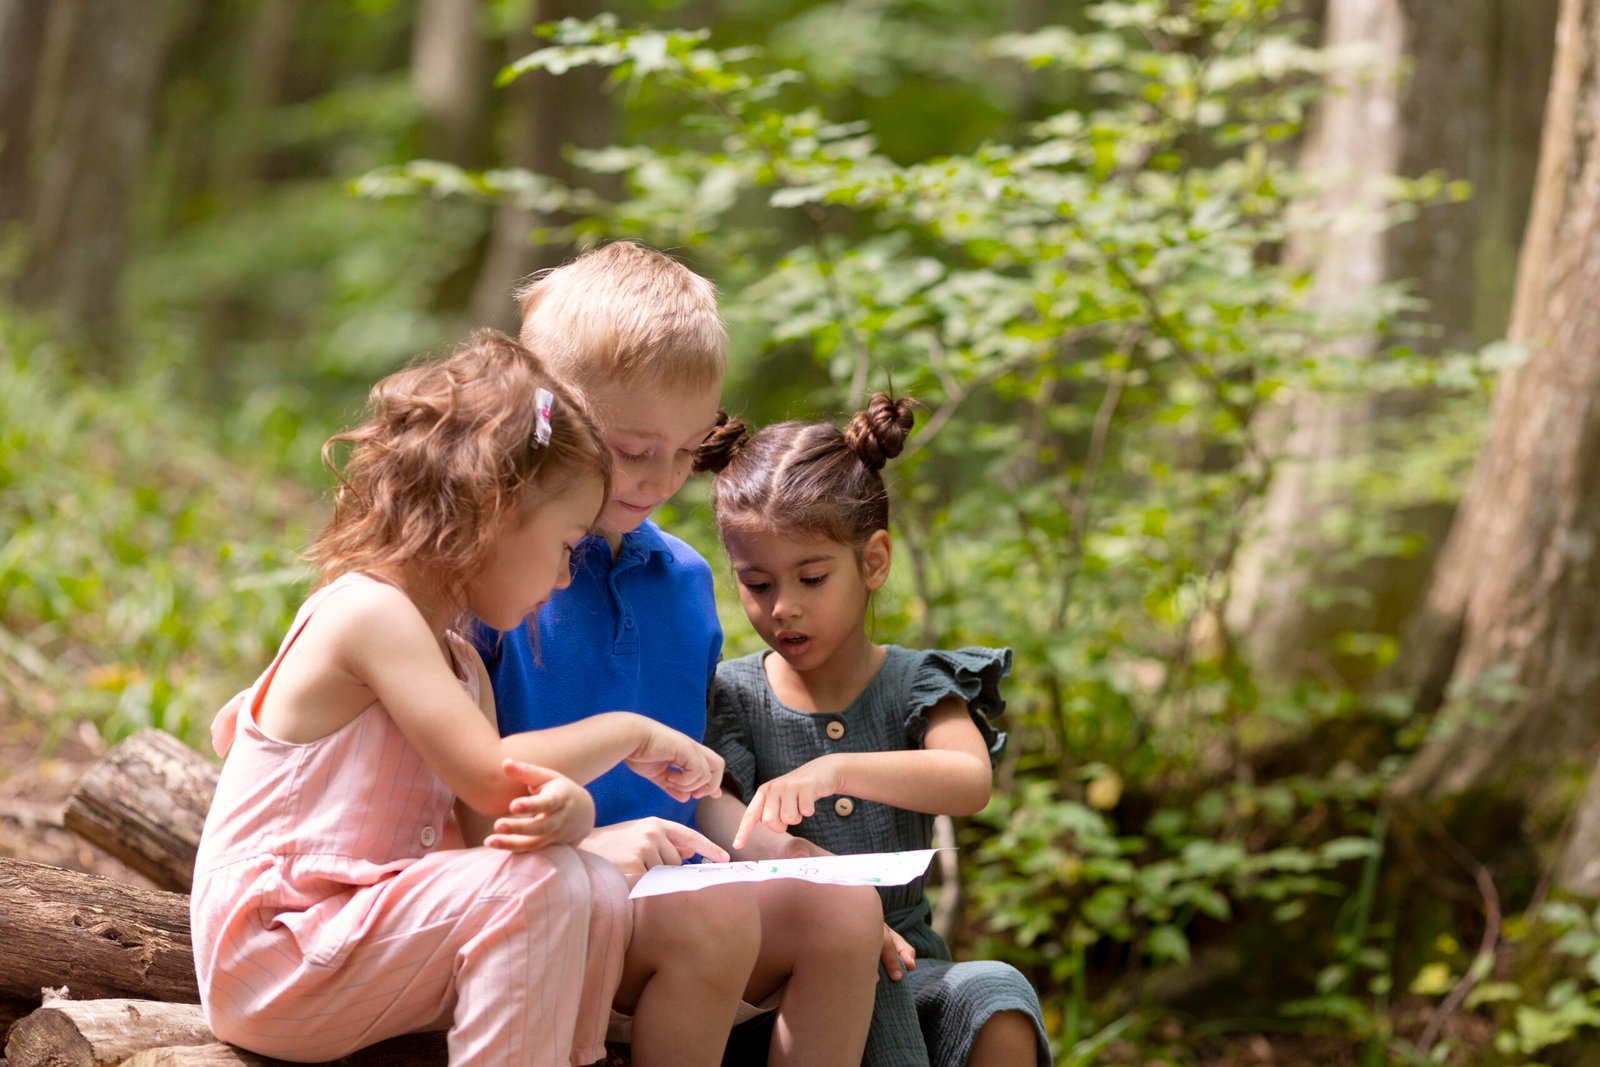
point(447, 447)
point(808, 477)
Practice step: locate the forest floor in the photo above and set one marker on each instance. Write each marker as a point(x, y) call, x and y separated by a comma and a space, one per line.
point(38, 770)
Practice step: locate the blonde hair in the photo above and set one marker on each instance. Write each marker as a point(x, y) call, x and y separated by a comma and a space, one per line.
point(625, 313)
point(447, 448)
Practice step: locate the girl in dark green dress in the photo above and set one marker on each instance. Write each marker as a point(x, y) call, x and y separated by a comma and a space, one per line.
point(850, 745)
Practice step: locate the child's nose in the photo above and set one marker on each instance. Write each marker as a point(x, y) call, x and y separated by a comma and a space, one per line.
point(658, 477)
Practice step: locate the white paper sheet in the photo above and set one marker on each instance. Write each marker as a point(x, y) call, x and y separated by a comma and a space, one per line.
point(867, 868)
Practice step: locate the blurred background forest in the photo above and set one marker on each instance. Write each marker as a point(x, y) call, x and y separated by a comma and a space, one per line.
point(1257, 348)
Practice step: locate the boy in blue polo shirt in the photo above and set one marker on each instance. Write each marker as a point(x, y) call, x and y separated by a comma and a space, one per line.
point(639, 335)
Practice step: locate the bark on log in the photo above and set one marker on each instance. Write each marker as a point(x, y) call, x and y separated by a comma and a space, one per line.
point(97, 936)
point(215, 1054)
point(92, 1033)
point(145, 803)
point(411, 1050)
point(98, 1033)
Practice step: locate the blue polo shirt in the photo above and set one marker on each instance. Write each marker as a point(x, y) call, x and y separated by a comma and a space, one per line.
point(634, 633)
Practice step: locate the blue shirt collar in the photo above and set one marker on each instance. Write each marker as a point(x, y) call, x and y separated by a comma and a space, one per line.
point(638, 546)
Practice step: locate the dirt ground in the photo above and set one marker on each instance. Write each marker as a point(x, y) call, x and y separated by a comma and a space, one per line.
point(37, 772)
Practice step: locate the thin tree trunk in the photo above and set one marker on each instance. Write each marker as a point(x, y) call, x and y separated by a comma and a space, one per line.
point(450, 75)
point(1469, 109)
point(549, 114)
point(1354, 143)
point(101, 88)
point(22, 35)
point(1511, 624)
point(262, 76)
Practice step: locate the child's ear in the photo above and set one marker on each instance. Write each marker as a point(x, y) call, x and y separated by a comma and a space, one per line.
point(875, 560)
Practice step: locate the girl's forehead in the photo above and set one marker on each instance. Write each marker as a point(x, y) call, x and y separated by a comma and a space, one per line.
point(769, 547)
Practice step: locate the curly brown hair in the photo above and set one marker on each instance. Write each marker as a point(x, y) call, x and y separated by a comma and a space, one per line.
point(447, 446)
point(808, 477)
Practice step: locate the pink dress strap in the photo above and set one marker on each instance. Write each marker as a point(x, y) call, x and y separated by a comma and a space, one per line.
point(225, 727)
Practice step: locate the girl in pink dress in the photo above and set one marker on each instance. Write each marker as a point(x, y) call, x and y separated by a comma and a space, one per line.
point(335, 903)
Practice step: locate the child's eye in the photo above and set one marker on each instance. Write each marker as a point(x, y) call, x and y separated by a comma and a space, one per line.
point(630, 457)
point(757, 587)
point(815, 580)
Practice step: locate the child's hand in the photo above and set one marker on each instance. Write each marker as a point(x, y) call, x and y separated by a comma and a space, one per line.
point(677, 763)
point(898, 955)
point(635, 846)
point(783, 802)
point(556, 811)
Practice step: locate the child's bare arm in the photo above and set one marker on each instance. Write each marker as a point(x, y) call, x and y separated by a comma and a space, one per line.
point(948, 776)
point(681, 766)
point(387, 646)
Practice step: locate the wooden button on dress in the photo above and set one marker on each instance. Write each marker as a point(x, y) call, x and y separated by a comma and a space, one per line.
point(844, 806)
point(834, 729)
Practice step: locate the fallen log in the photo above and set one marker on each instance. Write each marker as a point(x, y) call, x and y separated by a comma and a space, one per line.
point(215, 1054)
point(101, 1033)
point(98, 1033)
point(411, 1050)
point(145, 802)
point(97, 936)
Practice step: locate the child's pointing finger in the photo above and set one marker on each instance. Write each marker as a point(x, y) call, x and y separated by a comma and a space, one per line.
point(752, 815)
point(688, 842)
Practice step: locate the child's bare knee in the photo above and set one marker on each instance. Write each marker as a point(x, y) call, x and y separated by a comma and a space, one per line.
point(719, 926)
point(845, 920)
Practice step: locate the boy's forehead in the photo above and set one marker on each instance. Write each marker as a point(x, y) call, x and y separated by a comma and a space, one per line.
point(653, 409)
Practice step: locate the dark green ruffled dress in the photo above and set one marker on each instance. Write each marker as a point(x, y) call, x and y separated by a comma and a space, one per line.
point(933, 1015)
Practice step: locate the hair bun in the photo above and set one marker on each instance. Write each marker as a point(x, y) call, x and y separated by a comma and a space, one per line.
point(724, 442)
point(878, 433)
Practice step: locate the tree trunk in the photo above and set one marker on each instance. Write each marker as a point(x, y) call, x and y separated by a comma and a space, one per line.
point(1511, 624)
point(1354, 144)
point(22, 33)
point(549, 114)
point(269, 46)
point(145, 803)
point(450, 74)
point(97, 936)
point(1484, 62)
point(100, 82)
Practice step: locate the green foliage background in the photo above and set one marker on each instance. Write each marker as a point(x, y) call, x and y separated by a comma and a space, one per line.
point(1067, 240)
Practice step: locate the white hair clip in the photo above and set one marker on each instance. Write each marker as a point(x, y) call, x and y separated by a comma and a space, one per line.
point(542, 399)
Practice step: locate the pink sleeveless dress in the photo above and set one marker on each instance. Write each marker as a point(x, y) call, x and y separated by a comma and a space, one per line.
point(334, 905)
